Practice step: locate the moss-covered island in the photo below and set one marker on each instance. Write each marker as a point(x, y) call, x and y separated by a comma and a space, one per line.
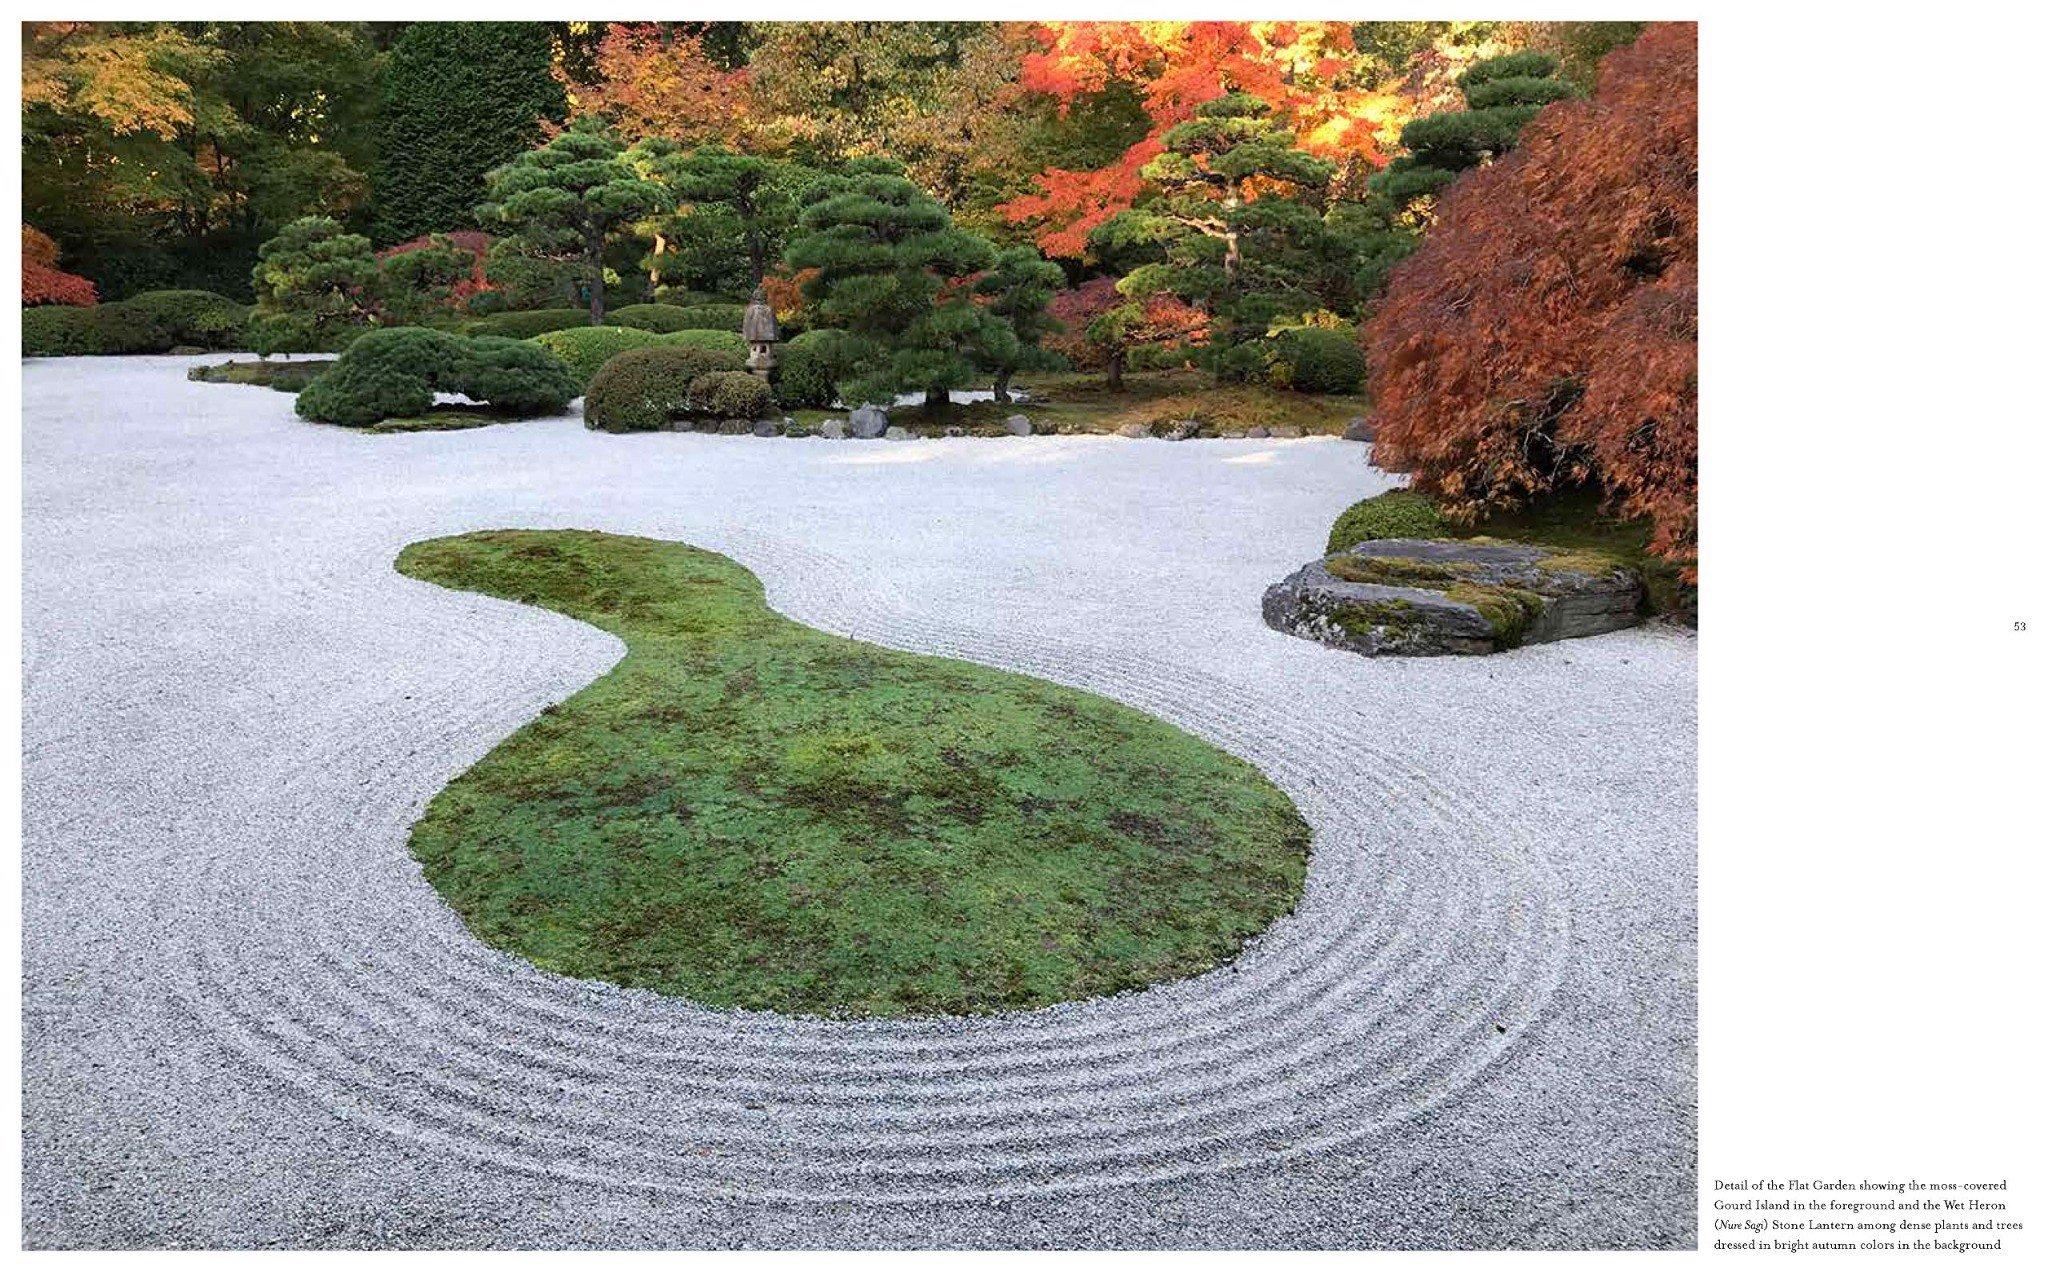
point(752, 813)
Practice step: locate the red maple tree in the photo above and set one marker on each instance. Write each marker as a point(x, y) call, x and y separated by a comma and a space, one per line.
point(1545, 335)
point(475, 242)
point(653, 81)
point(1099, 327)
point(42, 283)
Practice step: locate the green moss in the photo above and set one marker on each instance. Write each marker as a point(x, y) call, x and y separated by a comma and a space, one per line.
point(1507, 610)
point(1572, 525)
point(1393, 616)
point(441, 419)
point(1397, 571)
point(286, 377)
point(753, 813)
point(1395, 514)
point(1580, 561)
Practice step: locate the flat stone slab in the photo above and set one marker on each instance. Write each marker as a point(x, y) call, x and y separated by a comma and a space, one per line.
point(1452, 596)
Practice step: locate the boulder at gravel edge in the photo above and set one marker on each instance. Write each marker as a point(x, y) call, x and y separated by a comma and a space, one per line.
point(1452, 596)
point(867, 421)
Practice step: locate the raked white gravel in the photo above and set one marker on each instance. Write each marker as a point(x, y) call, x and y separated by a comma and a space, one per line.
point(249, 1022)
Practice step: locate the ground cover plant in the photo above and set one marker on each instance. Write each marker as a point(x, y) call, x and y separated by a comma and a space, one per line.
point(752, 813)
point(1080, 403)
point(286, 377)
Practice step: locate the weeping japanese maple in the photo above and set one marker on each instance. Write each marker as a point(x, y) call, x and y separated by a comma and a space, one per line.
point(1545, 336)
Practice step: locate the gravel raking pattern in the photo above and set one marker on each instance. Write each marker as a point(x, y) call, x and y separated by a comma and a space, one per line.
point(289, 925)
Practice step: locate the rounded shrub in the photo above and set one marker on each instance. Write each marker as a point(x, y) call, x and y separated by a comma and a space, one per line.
point(123, 329)
point(1393, 514)
point(191, 317)
point(268, 333)
point(1321, 360)
point(695, 338)
point(514, 376)
point(485, 303)
point(523, 324)
point(804, 376)
point(396, 371)
point(1247, 361)
point(730, 395)
point(392, 372)
point(585, 349)
point(643, 389)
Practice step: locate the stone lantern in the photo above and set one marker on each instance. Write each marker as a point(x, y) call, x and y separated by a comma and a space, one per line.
point(758, 329)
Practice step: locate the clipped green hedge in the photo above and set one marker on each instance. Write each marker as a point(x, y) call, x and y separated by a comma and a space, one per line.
point(188, 316)
point(1321, 360)
point(710, 317)
point(524, 324)
point(396, 372)
point(730, 395)
point(698, 338)
point(653, 317)
point(641, 390)
point(585, 349)
point(58, 331)
point(804, 376)
point(55, 331)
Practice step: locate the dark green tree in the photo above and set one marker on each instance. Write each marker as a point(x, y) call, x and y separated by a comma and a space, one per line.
point(1234, 224)
point(160, 154)
point(568, 197)
point(459, 99)
point(895, 273)
point(727, 218)
point(1502, 94)
point(316, 275)
point(1017, 290)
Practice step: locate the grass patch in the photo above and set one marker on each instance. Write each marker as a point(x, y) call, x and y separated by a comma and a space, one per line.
point(286, 377)
point(1078, 403)
point(1583, 536)
point(752, 813)
point(441, 419)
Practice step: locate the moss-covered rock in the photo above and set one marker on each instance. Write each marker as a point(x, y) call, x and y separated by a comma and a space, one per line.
point(1443, 596)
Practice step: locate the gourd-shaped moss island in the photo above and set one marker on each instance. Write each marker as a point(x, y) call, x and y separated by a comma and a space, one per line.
point(749, 812)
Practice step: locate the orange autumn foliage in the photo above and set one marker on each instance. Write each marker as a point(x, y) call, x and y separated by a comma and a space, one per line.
point(475, 242)
point(42, 283)
point(1297, 68)
point(1093, 345)
point(1546, 333)
point(785, 291)
point(654, 83)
